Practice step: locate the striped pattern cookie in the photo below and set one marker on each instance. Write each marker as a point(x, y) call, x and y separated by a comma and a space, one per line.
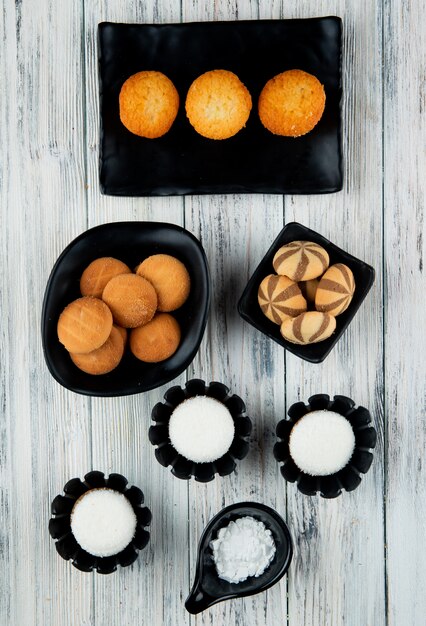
point(310, 327)
point(335, 290)
point(280, 297)
point(301, 260)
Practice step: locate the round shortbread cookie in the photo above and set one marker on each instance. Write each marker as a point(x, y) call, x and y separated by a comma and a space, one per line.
point(104, 359)
point(132, 300)
point(84, 325)
point(149, 103)
point(170, 279)
point(292, 103)
point(157, 340)
point(218, 104)
point(99, 273)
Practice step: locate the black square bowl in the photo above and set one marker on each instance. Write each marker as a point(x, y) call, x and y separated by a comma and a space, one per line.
point(254, 160)
point(249, 309)
point(130, 242)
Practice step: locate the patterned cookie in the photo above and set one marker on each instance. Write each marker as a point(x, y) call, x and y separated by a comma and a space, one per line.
point(301, 260)
point(310, 327)
point(132, 300)
point(149, 103)
point(335, 290)
point(99, 273)
point(157, 340)
point(84, 325)
point(280, 297)
point(104, 359)
point(218, 104)
point(292, 103)
point(169, 278)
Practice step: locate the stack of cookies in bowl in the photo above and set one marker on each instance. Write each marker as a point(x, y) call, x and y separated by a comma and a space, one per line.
point(305, 294)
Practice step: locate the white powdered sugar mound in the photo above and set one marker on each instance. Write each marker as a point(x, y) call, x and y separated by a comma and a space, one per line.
point(242, 549)
point(201, 429)
point(321, 443)
point(103, 522)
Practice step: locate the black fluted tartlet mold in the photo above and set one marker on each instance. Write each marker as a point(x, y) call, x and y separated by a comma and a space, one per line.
point(167, 455)
point(60, 523)
point(349, 477)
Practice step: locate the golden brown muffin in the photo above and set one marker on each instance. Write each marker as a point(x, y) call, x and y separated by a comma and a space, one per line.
point(132, 300)
point(104, 359)
point(218, 104)
point(335, 290)
point(157, 340)
point(310, 327)
point(291, 103)
point(301, 260)
point(149, 103)
point(279, 298)
point(99, 273)
point(84, 325)
point(170, 279)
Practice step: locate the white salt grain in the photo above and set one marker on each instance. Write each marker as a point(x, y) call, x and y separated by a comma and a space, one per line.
point(103, 522)
point(242, 549)
point(201, 429)
point(321, 443)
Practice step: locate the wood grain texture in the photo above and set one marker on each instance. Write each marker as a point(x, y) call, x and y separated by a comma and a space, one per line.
point(404, 38)
point(49, 190)
point(338, 575)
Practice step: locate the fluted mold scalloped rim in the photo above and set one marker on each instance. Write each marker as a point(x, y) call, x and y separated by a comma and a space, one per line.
point(347, 478)
point(60, 524)
point(167, 455)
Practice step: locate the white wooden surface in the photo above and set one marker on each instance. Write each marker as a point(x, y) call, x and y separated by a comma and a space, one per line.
point(359, 560)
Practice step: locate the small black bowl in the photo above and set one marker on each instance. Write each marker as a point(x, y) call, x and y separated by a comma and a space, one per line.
point(249, 309)
point(130, 242)
point(166, 454)
point(348, 477)
point(60, 523)
point(208, 588)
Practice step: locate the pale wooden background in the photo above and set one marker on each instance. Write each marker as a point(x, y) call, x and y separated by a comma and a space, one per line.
point(359, 560)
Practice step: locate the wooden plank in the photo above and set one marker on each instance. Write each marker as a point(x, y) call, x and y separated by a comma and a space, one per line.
point(338, 573)
point(236, 231)
point(404, 39)
point(47, 431)
point(150, 592)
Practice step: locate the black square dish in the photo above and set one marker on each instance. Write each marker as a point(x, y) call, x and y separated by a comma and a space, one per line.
point(254, 160)
point(130, 242)
point(249, 309)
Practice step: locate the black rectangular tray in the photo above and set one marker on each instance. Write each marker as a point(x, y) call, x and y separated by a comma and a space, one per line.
point(254, 160)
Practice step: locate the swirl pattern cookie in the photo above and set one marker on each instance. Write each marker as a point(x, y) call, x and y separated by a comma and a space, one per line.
point(301, 260)
point(310, 327)
point(335, 290)
point(280, 297)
